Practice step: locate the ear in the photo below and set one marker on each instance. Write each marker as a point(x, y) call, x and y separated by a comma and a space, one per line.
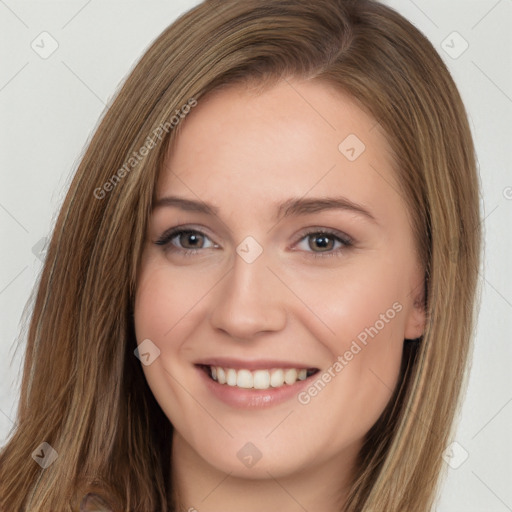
point(416, 319)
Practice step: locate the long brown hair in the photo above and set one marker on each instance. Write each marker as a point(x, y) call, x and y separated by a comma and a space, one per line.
point(83, 390)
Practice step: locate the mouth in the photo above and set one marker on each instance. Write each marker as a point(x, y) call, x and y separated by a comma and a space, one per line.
point(257, 379)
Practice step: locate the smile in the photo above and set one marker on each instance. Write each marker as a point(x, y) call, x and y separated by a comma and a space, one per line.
point(257, 379)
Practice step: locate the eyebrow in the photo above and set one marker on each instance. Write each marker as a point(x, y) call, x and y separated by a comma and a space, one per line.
point(290, 207)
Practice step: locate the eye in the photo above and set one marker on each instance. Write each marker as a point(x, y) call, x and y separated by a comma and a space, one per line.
point(191, 241)
point(186, 241)
point(325, 240)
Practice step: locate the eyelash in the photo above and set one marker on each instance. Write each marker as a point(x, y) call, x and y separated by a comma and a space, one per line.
point(168, 236)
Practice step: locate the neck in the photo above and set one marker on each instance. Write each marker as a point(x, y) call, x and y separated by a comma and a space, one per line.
point(200, 486)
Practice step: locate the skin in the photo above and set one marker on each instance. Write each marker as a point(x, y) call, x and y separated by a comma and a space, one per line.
point(243, 150)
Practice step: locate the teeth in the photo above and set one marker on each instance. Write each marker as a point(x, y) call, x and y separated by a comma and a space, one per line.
point(231, 377)
point(261, 379)
point(244, 379)
point(290, 376)
point(221, 375)
point(258, 379)
point(277, 378)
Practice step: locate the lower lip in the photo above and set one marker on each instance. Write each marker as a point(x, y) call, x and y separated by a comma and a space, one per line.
point(253, 398)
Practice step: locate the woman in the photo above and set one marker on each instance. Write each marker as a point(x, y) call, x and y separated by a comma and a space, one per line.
point(250, 370)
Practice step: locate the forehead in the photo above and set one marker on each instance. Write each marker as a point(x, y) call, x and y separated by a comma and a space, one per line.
point(243, 146)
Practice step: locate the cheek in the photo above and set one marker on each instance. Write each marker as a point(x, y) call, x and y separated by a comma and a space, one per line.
point(165, 302)
point(362, 312)
point(349, 300)
point(165, 305)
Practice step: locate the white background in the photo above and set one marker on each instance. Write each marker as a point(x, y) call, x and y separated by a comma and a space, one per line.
point(49, 107)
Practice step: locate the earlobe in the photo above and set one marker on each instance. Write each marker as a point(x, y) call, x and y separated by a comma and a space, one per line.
point(417, 312)
point(415, 326)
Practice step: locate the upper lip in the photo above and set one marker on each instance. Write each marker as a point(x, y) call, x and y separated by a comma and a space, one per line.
point(254, 364)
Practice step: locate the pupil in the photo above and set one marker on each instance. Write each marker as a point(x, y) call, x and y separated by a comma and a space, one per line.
point(322, 241)
point(191, 239)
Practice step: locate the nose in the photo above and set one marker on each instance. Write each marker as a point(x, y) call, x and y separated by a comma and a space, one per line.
point(250, 301)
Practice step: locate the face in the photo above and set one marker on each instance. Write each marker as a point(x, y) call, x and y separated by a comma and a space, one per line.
point(280, 309)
